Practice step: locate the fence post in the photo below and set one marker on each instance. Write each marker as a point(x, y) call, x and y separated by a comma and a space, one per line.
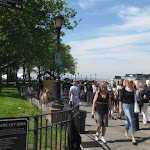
point(69, 132)
point(35, 133)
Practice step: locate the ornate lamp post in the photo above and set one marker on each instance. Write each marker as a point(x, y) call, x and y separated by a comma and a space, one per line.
point(58, 22)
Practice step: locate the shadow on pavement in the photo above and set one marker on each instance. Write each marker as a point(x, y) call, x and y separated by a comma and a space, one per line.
point(92, 144)
point(141, 139)
point(144, 128)
point(119, 140)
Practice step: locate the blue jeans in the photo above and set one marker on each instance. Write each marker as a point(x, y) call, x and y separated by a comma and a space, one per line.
point(129, 113)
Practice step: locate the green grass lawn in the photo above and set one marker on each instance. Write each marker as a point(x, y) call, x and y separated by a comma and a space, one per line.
point(12, 105)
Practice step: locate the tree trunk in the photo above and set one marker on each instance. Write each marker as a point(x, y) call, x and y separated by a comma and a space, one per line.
point(7, 76)
point(16, 78)
point(39, 87)
point(24, 72)
point(0, 79)
point(29, 77)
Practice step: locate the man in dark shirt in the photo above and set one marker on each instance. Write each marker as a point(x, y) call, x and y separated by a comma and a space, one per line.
point(89, 92)
point(66, 89)
point(147, 92)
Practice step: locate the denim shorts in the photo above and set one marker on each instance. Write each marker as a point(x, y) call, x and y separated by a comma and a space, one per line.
point(129, 113)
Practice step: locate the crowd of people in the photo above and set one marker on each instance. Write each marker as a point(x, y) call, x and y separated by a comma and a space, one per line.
point(107, 99)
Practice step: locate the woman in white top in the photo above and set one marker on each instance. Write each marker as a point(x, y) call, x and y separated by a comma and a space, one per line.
point(94, 86)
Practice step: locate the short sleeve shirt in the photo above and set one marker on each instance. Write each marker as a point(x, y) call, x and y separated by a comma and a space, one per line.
point(74, 90)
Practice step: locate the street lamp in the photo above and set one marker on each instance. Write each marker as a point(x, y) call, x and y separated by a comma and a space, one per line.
point(75, 77)
point(86, 77)
point(58, 22)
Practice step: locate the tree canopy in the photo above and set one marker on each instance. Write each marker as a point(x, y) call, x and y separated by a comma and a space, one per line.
point(29, 36)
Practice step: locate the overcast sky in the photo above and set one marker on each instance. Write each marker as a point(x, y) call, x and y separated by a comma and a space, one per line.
point(113, 37)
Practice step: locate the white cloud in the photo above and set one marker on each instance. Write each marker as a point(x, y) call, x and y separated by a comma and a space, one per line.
point(81, 47)
point(129, 11)
point(89, 3)
point(86, 3)
point(113, 56)
point(135, 19)
point(125, 49)
point(83, 4)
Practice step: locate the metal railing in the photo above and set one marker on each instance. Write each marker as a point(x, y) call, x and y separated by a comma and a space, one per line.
point(51, 130)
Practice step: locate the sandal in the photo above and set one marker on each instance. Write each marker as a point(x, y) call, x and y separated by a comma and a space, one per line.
point(134, 142)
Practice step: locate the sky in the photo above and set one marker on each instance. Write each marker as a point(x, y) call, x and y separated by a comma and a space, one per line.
point(113, 38)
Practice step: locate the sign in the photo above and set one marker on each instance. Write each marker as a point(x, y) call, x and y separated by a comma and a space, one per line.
point(58, 60)
point(13, 134)
point(11, 5)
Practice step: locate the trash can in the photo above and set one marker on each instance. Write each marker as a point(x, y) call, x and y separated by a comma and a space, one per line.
point(82, 116)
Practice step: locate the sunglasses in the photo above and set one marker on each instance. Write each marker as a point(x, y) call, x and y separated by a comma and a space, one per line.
point(131, 82)
point(103, 87)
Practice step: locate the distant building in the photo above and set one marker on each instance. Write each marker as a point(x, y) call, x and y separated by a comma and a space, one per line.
point(139, 79)
point(116, 79)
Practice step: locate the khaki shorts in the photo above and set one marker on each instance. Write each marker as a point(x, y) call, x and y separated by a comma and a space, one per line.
point(102, 120)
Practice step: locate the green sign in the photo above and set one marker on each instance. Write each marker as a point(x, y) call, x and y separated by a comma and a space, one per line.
point(58, 60)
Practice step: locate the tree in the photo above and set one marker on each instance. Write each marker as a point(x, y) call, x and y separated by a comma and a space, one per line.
point(28, 37)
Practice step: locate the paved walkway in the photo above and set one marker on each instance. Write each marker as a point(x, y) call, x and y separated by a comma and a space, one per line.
point(114, 134)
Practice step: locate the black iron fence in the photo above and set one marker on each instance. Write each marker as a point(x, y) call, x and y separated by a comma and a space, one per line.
point(52, 130)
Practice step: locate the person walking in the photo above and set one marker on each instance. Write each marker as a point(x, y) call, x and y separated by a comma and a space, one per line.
point(44, 97)
point(127, 103)
point(94, 86)
point(102, 101)
point(82, 90)
point(145, 100)
point(66, 88)
point(89, 92)
point(111, 92)
point(74, 93)
point(137, 98)
point(85, 92)
point(118, 93)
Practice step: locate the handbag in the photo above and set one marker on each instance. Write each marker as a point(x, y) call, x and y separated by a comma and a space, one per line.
point(141, 103)
point(136, 107)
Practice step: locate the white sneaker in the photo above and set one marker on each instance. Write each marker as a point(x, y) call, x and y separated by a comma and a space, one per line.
point(103, 140)
point(97, 136)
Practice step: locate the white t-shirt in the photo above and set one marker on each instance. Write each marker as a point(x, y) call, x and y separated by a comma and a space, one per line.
point(75, 94)
point(74, 90)
point(94, 88)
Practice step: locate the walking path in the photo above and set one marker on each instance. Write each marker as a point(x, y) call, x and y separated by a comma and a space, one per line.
point(114, 134)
